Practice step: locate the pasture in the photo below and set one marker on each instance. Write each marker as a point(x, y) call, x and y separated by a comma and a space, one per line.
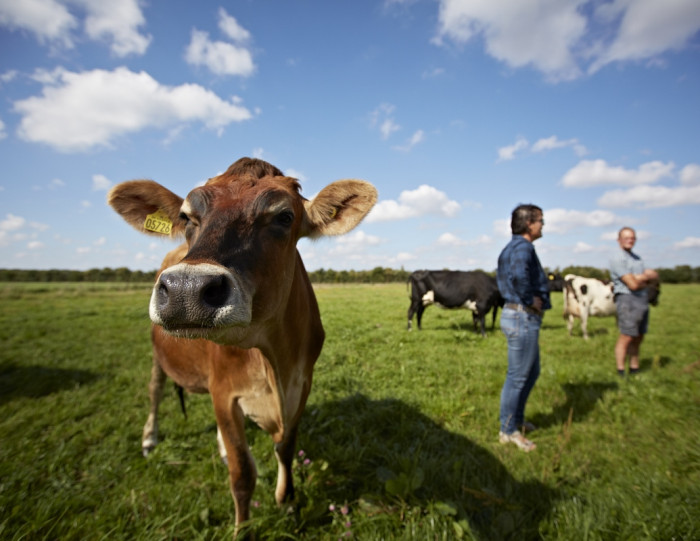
point(399, 438)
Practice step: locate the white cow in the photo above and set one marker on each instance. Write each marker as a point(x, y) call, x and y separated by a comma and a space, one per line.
point(584, 297)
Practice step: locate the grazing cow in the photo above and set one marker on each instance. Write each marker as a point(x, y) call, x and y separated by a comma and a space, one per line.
point(233, 311)
point(474, 290)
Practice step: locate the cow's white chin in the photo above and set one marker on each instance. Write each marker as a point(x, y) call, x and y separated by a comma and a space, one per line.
point(225, 336)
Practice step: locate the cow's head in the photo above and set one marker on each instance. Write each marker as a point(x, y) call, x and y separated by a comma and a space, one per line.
point(241, 229)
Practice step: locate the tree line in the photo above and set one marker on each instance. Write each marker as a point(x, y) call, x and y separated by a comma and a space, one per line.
point(681, 274)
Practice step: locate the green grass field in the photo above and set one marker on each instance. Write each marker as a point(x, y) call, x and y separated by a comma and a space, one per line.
point(399, 438)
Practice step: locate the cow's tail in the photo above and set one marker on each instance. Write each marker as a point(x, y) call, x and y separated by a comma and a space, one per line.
point(181, 396)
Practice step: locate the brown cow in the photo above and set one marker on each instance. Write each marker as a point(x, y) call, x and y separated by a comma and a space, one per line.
point(233, 310)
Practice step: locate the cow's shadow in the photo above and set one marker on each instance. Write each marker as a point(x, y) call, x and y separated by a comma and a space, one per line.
point(581, 399)
point(389, 452)
point(37, 381)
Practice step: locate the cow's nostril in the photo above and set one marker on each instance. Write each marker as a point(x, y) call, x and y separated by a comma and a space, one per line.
point(216, 291)
point(162, 294)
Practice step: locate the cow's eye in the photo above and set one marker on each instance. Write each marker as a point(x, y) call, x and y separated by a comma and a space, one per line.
point(285, 218)
point(184, 217)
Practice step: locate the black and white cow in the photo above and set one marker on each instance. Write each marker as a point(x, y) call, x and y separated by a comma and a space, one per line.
point(585, 297)
point(473, 290)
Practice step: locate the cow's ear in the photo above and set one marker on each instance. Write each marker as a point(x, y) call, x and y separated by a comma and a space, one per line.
point(339, 207)
point(148, 207)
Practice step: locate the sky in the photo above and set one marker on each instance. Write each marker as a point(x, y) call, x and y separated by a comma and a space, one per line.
point(456, 110)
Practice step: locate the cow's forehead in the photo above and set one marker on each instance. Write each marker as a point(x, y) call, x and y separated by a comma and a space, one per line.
point(241, 192)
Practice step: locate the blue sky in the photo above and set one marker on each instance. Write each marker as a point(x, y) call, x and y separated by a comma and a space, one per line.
point(456, 110)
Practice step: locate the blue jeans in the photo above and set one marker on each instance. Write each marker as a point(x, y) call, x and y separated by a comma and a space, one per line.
point(522, 331)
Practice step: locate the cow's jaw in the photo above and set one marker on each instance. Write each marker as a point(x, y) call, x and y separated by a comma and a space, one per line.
point(201, 301)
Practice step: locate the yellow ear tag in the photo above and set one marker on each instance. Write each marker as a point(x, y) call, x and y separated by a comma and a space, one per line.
point(158, 222)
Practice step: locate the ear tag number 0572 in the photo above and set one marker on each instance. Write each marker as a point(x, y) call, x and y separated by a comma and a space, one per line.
point(158, 222)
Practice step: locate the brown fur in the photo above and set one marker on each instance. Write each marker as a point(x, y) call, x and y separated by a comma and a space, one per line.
point(256, 353)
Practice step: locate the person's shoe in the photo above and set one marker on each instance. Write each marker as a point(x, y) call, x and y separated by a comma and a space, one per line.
point(527, 426)
point(518, 439)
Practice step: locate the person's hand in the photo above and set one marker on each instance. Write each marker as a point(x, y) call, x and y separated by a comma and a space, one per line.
point(650, 275)
point(537, 303)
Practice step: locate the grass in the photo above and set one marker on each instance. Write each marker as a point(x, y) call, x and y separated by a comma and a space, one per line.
point(399, 438)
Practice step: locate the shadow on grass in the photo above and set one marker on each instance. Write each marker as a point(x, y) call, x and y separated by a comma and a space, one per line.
point(38, 381)
point(389, 453)
point(581, 397)
point(646, 363)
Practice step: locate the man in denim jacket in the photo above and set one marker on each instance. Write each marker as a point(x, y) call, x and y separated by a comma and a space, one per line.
point(523, 286)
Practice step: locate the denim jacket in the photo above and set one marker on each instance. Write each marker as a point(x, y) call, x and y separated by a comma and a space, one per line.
point(520, 276)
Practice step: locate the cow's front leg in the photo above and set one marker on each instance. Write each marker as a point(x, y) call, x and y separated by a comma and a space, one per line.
point(284, 451)
point(155, 392)
point(241, 466)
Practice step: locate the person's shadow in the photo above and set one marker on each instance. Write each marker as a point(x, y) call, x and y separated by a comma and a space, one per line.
point(581, 399)
point(36, 381)
point(389, 453)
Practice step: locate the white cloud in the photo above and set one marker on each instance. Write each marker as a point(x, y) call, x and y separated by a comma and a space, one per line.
point(414, 203)
point(508, 152)
point(690, 174)
point(229, 26)
point(79, 111)
point(100, 242)
point(3, 133)
point(118, 23)
point(417, 138)
point(388, 127)
point(12, 223)
point(35, 245)
point(49, 20)
point(538, 33)
point(553, 142)
point(582, 248)
point(688, 242)
point(448, 239)
point(39, 226)
point(52, 22)
point(562, 221)
point(382, 117)
point(562, 39)
point(8, 76)
point(541, 145)
point(218, 56)
point(354, 243)
point(647, 28)
point(597, 172)
point(651, 197)
point(100, 183)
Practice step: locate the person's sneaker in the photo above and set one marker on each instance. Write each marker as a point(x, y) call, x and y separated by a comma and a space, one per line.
point(527, 426)
point(518, 439)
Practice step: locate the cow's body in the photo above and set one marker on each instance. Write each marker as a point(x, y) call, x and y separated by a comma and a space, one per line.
point(473, 290)
point(233, 310)
point(586, 297)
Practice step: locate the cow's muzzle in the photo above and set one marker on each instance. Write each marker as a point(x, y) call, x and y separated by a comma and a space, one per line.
point(205, 296)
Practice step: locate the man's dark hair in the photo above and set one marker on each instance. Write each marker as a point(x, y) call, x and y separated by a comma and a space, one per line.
point(522, 216)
